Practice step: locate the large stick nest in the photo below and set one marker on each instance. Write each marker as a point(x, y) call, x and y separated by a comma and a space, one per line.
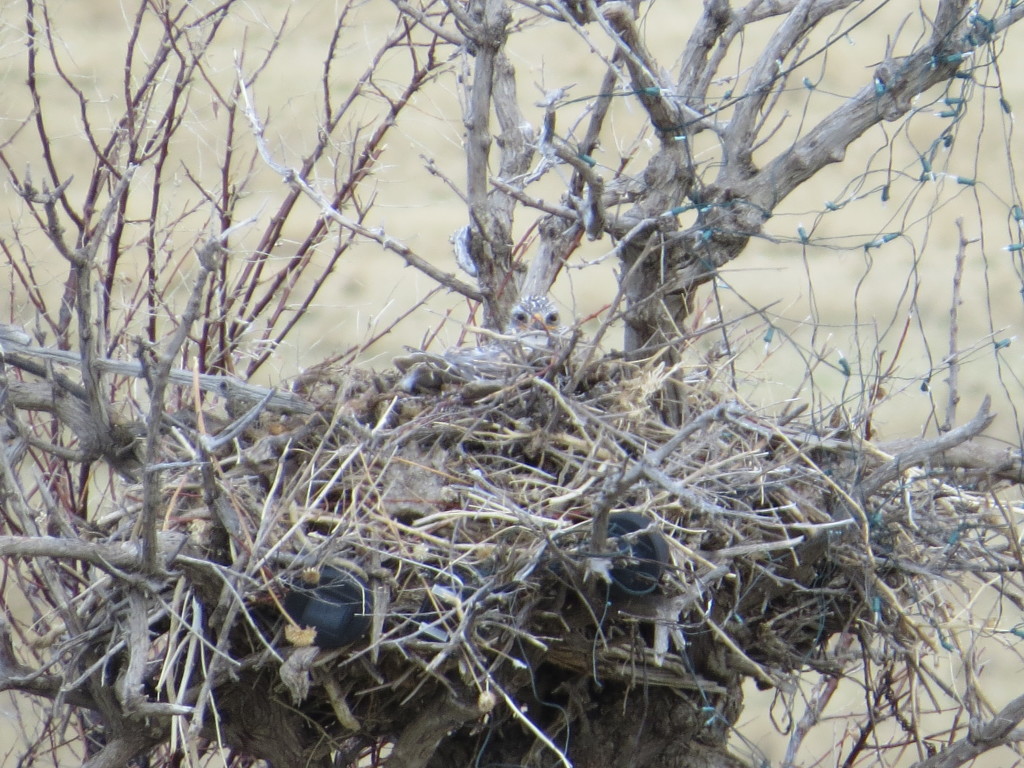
point(470, 545)
point(497, 596)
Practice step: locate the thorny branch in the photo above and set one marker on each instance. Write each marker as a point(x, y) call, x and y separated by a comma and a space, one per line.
point(294, 178)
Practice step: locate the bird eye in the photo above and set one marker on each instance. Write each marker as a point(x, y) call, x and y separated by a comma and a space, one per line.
point(552, 318)
point(520, 316)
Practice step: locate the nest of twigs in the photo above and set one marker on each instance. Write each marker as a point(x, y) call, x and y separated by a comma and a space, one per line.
point(479, 530)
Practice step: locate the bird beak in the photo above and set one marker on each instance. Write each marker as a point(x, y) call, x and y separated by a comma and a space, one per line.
point(539, 324)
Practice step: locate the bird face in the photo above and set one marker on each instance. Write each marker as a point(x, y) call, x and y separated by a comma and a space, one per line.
point(532, 337)
point(534, 314)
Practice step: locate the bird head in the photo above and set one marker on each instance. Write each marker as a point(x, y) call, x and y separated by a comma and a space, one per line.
point(535, 314)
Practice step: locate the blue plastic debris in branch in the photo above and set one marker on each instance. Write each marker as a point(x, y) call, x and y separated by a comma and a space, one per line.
point(879, 242)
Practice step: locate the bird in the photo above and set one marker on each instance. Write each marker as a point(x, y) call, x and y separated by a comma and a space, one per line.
point(533, 336)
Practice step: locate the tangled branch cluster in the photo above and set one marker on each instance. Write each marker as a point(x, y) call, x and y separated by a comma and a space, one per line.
point(479, 530)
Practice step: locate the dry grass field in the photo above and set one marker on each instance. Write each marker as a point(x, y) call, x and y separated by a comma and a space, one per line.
point(827, 299)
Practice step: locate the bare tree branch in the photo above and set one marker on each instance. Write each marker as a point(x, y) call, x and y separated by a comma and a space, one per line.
point(295, 179)
point(926, 450)
point(982, 737)
point(19, 355)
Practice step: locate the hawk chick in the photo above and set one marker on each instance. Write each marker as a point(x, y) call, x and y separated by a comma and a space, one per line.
point(532, 335)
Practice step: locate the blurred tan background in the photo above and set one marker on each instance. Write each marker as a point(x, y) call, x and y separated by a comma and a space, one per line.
point(827, 299)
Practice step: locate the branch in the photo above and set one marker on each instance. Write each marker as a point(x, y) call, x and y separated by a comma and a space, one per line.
point(72, 413)
point(83, 265)
point(826, 143)
point(618, 19)
point(14, 350)
point(516, 145)
point(121, 750)
point(116, 559)
point(742, 129)
point(421, 737)
point(449, 35)
point(15, 676)
point(953, 396)
point(974, 456)
point(611, 494)
point(488, 35)
point(489, 219)
point(295, 180)
point(814, 707)
point(695, 69)
point(995, 733)
point(924, 451)
point(158, 380)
